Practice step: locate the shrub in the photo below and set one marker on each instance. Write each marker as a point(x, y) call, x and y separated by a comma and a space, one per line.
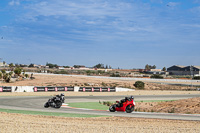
point(197, 78)
point(107, 103)
point(139, 84)
point(10, 73)
point(103, 84)
point(6, 77)
point(115, 75)
point(26, 75)
point(1, 75)
point(3, 71)
point(172, 110)
point(157, 76)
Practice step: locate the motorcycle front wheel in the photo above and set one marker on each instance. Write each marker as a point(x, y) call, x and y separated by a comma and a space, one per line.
point(129, 109)
point(46, 105)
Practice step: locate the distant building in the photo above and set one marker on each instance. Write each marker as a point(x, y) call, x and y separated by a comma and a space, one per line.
point(155, 71)
point(184, 70)
point(61, 67)
point(2, 64)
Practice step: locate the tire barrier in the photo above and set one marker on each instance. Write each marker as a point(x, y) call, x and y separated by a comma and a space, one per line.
point(97, 89)
point(5, 89)
point(49, 88)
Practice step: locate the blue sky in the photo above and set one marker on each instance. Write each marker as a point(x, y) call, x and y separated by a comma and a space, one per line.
point(120, 33)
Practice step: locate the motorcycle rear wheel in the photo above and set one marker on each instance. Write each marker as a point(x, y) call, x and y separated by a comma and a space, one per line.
point(112, 108)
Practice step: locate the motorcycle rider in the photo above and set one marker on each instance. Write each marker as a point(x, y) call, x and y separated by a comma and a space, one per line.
point(120, 104)
point(60, 97)
point(56, 101)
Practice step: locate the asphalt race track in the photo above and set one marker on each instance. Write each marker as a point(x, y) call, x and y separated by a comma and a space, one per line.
point(36, 103)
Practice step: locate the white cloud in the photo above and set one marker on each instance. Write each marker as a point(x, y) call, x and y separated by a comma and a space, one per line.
point(196, 10)
point(96, 20)
point(196, 1)
point(173, 4)
point(191, 25)
point(14, 2)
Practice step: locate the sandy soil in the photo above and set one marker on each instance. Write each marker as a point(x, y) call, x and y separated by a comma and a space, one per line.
point(29, 123)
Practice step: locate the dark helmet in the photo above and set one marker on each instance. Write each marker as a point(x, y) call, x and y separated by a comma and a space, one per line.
point(132, 97)
point(62, 94)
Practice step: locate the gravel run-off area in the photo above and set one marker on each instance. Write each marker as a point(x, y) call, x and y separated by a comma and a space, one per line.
point(22, 123)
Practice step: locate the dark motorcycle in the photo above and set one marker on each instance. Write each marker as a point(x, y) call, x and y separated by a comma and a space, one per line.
point(55, 102)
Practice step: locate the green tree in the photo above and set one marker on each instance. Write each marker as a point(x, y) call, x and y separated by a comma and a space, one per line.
point(150, 67)
point(4, 63)
point(10, 73)
point(164, 69)
point(31, 65)
point(139, 84)
point(106, 66)
point(26, 75)
point(6, 77)
point(51, 65)
point(153, 67)
point(18, 71)
point(147, 67)
point(11, 65)
point(1, 75)
point(16, 65)
point(100, 65)
point(3, 71)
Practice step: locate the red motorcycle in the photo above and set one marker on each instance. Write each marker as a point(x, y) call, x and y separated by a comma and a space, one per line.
point(126, 104)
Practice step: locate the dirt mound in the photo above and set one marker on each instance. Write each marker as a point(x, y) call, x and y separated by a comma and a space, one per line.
point(184, 106)
point(158, 86)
